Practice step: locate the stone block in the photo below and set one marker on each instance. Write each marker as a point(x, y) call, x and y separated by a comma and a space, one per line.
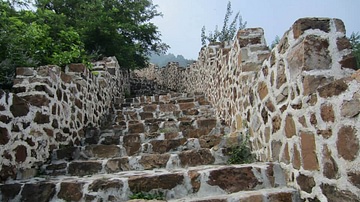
point(25, 71)
point(312, 82)
point(39, 191)
point(303, 24)
point(186, 106)
point(82, 168)
point(117, 164)
point(9, 191)
point(350, 108)
point(136, 128)
point(308, 151)
point(4, 136)
point(103, 151)
point(37, 100)
point(232, 179)
point(148, 183)
point(19, 107)
point(206, 123)
point(311, 54)
point(150, 108)
point(167, 107)
point(347, 143)
point(306, 183)
point(349, 61)
point(194, 158)
point(290, 128)
point(104, 184)
point(333, 89)
point(71, 191)
point(330, 168)
point(152, 161)
point(332, 193)
point(327, 113)
point(78, 67)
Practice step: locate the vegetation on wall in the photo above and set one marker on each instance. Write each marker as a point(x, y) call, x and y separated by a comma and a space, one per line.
point(228, 30)
point(355, 43)
point(66, 31)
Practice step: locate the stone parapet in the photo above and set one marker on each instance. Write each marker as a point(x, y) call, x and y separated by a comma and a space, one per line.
point(50, 108)
point(299, 102)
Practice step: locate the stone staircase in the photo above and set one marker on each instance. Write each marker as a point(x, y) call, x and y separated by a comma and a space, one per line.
point(167, 145)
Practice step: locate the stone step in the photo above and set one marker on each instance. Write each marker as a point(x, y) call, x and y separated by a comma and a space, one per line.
point(172, 184)
point(283, 194)
point(118, 163)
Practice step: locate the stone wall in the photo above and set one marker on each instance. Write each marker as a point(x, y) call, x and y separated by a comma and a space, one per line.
point(299, 102)
point(50, 109)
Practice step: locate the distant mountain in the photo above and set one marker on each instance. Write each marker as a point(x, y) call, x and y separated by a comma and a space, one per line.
point(162, 59)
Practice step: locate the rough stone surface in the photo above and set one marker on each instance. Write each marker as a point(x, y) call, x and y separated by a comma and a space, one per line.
point(233, 179)
point(82, 168)
point(308, 151)
point(104, 184)
point(347, 143)
point(194, 158)
point(38, 192)
point(165, 181)
point(70, 191)
point(327, 113)
point(290, 128)
point(334, 194)
point(306, 183)
point(154, 161)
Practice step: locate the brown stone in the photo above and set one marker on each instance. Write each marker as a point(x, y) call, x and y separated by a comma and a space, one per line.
point(37, 100)
point(249, 41)
point(25, 71)
point(303, 24)
point(65, 77)
point(9, 191)
point(281, 76)
point(41, 191)
point(167, 107)
point(132, 144)
point(186, 106)
point(308, 151)
point(313, 119)
point(290, 128)
point(117, 164)
point(312, 82)
point(281, 197)
point(71, 191)
point(103, 151)
point(253, 198)
point(195, 180)
point(82, 168)
point(302, 120)
point(104, 184)
point(41, 118)
point(4, 136)
point(276, 123)
point(206, 123)
point(325, 133)
point(146, 115)
point(162, 146)
point(78, 67)
point(19, 107)
point(354, 178)
point(275, 150)
point(190, 112)
point(306, 183)
point(343, 43)
point(270, 106)
point(7, 172)
point(150, 108)
point(136, 128)
point(330, 167)
point(347, 143)
point(20, 153)
point(310, 54)
point(296, 158)
point(148, 183)
point(333, 89)
point(194, 158)
point(350, 108)
point(233, 179)
point(196, 133)
point(286, 156)
point(349, 61)
point(327, 113)
point(151, 161)
point(262, 90)
point(334, 194)
point(209, 141)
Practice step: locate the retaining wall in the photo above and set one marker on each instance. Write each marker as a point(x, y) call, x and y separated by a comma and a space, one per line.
point(299, 102)
point(49, 109)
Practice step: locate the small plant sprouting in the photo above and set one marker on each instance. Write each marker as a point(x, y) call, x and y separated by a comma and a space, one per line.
point(241, 153)
point(148, 196)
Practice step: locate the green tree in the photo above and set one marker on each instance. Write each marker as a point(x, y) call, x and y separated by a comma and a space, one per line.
point(275, 42)
point(228, 30)
point(355, 44)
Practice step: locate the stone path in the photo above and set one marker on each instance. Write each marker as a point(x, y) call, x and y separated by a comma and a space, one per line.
point(170, 145)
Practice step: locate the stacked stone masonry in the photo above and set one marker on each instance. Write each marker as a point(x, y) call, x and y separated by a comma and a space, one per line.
point(50, 108)
point(299, 102)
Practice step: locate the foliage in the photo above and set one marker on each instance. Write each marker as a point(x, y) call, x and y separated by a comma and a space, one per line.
point(162, 60)
point(228, 30)
point(148, 196)
point(275, 42)
point(355, 44)
point(241, 153)
point(68, 31)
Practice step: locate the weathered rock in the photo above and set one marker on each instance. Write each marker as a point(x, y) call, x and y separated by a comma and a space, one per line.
point(19, 107)
point(194, 158)
point(150, 108)
point(195, 180)
point(206, 123)
point(151, 161)
point(37, 100)
point(262, 90)
point(103, 151)
point(20, 153)
point(350, 108)
point(303, 24)
point(82, 168)
point(167, 107)
point(186, 106)
point(327, 113)
point(354, 178)
point(330, 167)
point(41, 118)
point(209, 141)
point(334, 194)
point(41, 192)
point(290, 128)
point(71, 191)
point(136, 128)
point(132, 143)
point(233, 179)
point(162, 146)
point(306, 183)
point(105, 184)
point(332, 89)
point(347, 143)
point(308, 151)
point(4, 136)
point(275, 148)
point(117, 164)
point(280, 197)
point(312, 82)
point(9, 191)
point(148, 183)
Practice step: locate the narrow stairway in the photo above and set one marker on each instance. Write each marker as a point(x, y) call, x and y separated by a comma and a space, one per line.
point(168, 147)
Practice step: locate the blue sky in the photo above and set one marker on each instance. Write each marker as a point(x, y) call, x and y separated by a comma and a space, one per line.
point(182, 20)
